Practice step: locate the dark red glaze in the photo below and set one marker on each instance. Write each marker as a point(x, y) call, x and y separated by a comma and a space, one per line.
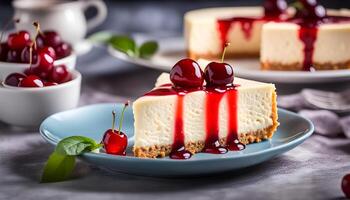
point(212, 104)
point(18, 41)
point(214, 96)
point(187, 73)
point(274, 10)
point(14, 79)
point(115, 142)
point(63, 50)
point(3, 51)
point(345, 185)
point(218, 74)
point(31, 81)
point(60, 74)
point(232, 140)
point(178, 146)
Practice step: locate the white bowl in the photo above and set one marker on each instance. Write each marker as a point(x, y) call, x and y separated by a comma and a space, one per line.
point(7, 68)
point(30, 106)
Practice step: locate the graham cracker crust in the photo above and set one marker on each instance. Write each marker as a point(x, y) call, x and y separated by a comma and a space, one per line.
point(209, 56)
point(298, 66)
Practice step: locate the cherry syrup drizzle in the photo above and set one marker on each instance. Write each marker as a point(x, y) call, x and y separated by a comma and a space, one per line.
point(212, 103)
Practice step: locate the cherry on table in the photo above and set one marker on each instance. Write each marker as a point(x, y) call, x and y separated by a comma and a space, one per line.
point(187, 73)
point(14, 79)
point(60, 74)
point(19, 40)
point(115, 141)
point(31, 81)
point(345, 185)
point(63, 50)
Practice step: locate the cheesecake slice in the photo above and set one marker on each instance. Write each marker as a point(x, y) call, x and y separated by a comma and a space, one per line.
point(163, 118)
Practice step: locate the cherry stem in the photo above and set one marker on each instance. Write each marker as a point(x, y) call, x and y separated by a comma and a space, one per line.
point(113, 120)
point(30, 55)
point(224, 52)
point(37, 28)
point(122, 116)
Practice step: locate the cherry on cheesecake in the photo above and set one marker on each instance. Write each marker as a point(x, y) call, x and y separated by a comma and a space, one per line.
point(310, 9)
point(187, 73)
point(275, 8)
point(115, 141)
point(219, 73)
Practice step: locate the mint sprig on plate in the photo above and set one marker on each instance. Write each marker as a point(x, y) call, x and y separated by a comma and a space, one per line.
point(61, 162)
point(126, 44)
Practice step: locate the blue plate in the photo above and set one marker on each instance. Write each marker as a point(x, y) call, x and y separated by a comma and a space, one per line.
point(92, 121)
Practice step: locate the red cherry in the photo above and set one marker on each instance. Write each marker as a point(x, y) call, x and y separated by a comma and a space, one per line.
point(60, 74)
point(44, 62)
point(25, 55)
point(19, 40)
point(311, 10)
point(14, 79)
point(63, 50)
point(3, 51)
point(345, 185)
point(115, 142)
point(14, 56)
point(274, 8)
point(40, 41)
point(51, 38)
point(31, 81)
point(50, 51)
point(218, 74)
point(187, 73)
point(49, 83)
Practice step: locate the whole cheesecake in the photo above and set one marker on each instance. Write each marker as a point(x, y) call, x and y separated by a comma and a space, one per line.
point(287, 39)
point(169, 119)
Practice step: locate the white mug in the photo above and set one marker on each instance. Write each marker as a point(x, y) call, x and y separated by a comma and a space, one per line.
point(65, 17)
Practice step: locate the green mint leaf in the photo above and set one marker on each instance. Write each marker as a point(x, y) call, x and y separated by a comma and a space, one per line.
point(101, 37)
point(124, 44)
point(76, 145)
point(148, 49)
point(58, 168)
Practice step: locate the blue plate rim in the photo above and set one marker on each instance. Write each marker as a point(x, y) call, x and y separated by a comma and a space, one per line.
point(305, 134)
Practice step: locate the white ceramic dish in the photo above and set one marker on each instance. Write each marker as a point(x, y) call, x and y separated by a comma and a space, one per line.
point(7, 68)
point(29, 106)
point(173, 49)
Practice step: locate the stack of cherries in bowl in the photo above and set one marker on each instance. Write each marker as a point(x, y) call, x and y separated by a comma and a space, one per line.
point(31, 66)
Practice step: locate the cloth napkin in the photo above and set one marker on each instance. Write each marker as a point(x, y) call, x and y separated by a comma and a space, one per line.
point(326, 122)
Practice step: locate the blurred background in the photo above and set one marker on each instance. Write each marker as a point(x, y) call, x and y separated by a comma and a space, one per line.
point(161, 17)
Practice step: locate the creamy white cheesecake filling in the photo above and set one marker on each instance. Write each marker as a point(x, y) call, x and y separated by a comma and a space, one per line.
point(280, 43)
point(202, 35)
point(155, 115)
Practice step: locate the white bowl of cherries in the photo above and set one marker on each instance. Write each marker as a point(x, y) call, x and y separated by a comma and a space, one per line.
point(33, 91)
point(14, 53)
